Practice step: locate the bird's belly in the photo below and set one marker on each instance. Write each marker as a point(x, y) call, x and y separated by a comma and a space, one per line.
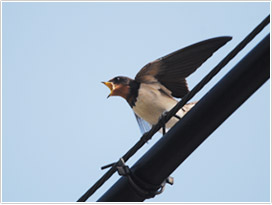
point(149, 111)
point(151, 104)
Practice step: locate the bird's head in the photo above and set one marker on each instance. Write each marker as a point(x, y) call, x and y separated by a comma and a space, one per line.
point(119, 86)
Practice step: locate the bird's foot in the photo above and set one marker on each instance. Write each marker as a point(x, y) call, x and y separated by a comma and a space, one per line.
point(163, 122)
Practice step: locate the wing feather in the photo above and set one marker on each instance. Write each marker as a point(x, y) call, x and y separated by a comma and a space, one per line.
point(172, 69)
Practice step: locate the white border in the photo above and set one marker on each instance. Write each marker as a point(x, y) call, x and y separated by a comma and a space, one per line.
point(109, 1)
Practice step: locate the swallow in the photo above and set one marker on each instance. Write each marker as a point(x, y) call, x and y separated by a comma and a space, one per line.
point(154, 90)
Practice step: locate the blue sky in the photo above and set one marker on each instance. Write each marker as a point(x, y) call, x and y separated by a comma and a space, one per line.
point(59, 128)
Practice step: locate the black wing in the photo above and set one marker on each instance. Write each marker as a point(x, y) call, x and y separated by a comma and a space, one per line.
point(171, 70)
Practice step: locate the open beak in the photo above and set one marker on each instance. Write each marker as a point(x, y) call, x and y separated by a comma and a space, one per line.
point(110, 86)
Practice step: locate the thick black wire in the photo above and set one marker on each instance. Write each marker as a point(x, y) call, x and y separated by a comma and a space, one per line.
point(147, 136)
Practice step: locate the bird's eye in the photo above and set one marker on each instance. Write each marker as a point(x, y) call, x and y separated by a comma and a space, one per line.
point(118, 79)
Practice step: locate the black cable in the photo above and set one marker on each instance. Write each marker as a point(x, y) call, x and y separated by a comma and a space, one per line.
point(147, 136)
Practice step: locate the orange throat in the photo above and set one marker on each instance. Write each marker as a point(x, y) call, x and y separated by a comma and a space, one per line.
point(121, 90)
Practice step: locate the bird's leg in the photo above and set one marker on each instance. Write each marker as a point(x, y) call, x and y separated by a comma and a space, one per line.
point(162, 121)
point(163, 129)
point(163, 124)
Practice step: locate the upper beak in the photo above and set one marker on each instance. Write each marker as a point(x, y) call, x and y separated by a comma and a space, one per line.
point(110, 86)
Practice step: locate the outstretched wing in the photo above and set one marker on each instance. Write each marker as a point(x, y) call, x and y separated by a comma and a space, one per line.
point(144, 125)
point(171, 70)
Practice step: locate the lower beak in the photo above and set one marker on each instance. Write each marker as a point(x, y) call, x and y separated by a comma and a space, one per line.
point(110, 86)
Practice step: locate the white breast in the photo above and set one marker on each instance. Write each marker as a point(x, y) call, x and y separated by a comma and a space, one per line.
point(151, 104)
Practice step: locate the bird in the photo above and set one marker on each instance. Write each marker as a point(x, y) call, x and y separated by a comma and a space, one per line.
point(155, 89)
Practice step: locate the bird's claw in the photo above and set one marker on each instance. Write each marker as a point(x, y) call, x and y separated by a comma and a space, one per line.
point(162, 121)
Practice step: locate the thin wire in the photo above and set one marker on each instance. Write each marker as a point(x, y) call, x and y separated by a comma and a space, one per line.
point(147, 136)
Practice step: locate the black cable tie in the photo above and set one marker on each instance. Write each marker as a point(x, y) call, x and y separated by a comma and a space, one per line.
point(123, 170)
point(143, 139)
